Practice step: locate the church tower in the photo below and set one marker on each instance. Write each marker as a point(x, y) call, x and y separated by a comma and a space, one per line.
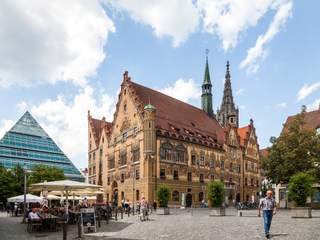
point(228, 113)
point(206, 97)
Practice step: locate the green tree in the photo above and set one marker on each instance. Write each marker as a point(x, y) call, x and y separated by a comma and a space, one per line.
point(300, 187)
point(41, 173)
point(163, 195)
point(18, 173)
point(297, 149)
point(216, 193)
point(8, 184)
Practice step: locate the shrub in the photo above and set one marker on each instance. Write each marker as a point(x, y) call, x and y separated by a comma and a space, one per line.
point(300, 187)
point(216, 193)
point(163, 195)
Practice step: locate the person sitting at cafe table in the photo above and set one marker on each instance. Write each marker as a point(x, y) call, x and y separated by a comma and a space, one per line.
point(33, 215)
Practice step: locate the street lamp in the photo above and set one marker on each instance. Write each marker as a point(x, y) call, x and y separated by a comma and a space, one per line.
point(133, 182)
point(24, 192)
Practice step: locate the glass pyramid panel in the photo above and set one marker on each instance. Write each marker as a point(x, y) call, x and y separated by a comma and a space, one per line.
point(29, 145)
point(28, 125)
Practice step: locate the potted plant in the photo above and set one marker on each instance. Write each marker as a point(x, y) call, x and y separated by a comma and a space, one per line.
point(300, 188)
point(216, 198)
point(163, 195)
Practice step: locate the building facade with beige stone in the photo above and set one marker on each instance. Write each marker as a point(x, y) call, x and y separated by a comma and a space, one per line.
point(155, 139)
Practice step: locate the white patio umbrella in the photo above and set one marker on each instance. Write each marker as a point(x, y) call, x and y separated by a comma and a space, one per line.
point(29, 199)
point(90, 194)
point(64, 185)
point(53, 197)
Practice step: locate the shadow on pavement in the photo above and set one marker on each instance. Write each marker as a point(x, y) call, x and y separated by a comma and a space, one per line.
point(279, 234)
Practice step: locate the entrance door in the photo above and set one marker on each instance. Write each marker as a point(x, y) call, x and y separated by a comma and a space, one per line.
point(238, 197)
point(188, 200)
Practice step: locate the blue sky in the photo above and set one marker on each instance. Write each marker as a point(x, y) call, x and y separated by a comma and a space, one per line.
point(59, 60)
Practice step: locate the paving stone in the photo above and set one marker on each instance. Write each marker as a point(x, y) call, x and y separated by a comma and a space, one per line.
point(185, 224)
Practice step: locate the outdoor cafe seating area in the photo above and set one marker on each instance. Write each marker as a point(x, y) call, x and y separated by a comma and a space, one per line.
point(59, 203)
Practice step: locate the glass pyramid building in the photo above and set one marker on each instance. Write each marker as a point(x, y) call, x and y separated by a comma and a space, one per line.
point(27, 144)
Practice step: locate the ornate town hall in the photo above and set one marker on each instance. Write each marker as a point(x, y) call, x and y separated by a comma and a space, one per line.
point(155, 139)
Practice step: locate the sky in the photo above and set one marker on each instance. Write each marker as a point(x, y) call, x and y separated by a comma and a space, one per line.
point(60, 59)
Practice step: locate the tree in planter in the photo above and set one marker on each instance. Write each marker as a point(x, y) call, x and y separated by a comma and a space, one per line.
point(300, 188)
point(163, 195)
point(216, 193)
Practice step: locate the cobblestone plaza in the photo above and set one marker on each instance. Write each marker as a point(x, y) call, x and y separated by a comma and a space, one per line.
point(184, 224)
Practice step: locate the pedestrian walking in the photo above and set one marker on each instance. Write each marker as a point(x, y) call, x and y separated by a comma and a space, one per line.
point(268, 206)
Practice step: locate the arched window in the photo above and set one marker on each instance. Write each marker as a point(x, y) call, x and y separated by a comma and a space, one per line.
point(166, 152)
point(175, 196)
point(180, 154)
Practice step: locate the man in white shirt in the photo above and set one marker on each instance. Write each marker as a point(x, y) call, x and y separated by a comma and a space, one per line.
point(268, 205)
point(33, 215)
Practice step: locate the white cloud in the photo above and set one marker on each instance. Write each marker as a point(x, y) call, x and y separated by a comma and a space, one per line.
point(66, 121)
point(281, 105)
point(240, 91)
point(173, 18)
point(228, 18)
point(22, 106)
point(184, 90)
point(5, 126)
point(314, 106)
point(258, 52)
point(49, 41)
point(306, 90)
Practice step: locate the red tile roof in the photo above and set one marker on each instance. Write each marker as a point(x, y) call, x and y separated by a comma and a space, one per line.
point(244, 134)
point(311, 119)
point(179, 119)
point(264, 152)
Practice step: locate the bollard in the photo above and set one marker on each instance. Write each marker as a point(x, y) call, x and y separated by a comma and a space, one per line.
point(116, 214)
point(64, 231)
point(132, 210)
point(129, 212)
point(79, 229)
point(107, 218)
point(121, 213)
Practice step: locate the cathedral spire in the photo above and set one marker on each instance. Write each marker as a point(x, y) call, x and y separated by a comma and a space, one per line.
point(206, 97)
point(228, 113)
point(206, 79)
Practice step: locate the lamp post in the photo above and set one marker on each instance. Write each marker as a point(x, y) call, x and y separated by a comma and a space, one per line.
point(133, 182)
point(24, 193)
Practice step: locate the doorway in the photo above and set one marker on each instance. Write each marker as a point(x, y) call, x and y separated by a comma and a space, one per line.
point(188, 200)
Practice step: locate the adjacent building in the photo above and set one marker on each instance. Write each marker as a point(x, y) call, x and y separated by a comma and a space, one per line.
point(155, 139)
point(28, 145)
point(311, 121)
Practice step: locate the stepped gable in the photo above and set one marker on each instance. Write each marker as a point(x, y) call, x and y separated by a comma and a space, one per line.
point(97, 126)
point(179, 119)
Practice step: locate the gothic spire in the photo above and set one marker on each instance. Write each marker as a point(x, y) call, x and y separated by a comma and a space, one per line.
point(206, 79)
point(228, 114)
point(227, 92)
point(206, 97)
